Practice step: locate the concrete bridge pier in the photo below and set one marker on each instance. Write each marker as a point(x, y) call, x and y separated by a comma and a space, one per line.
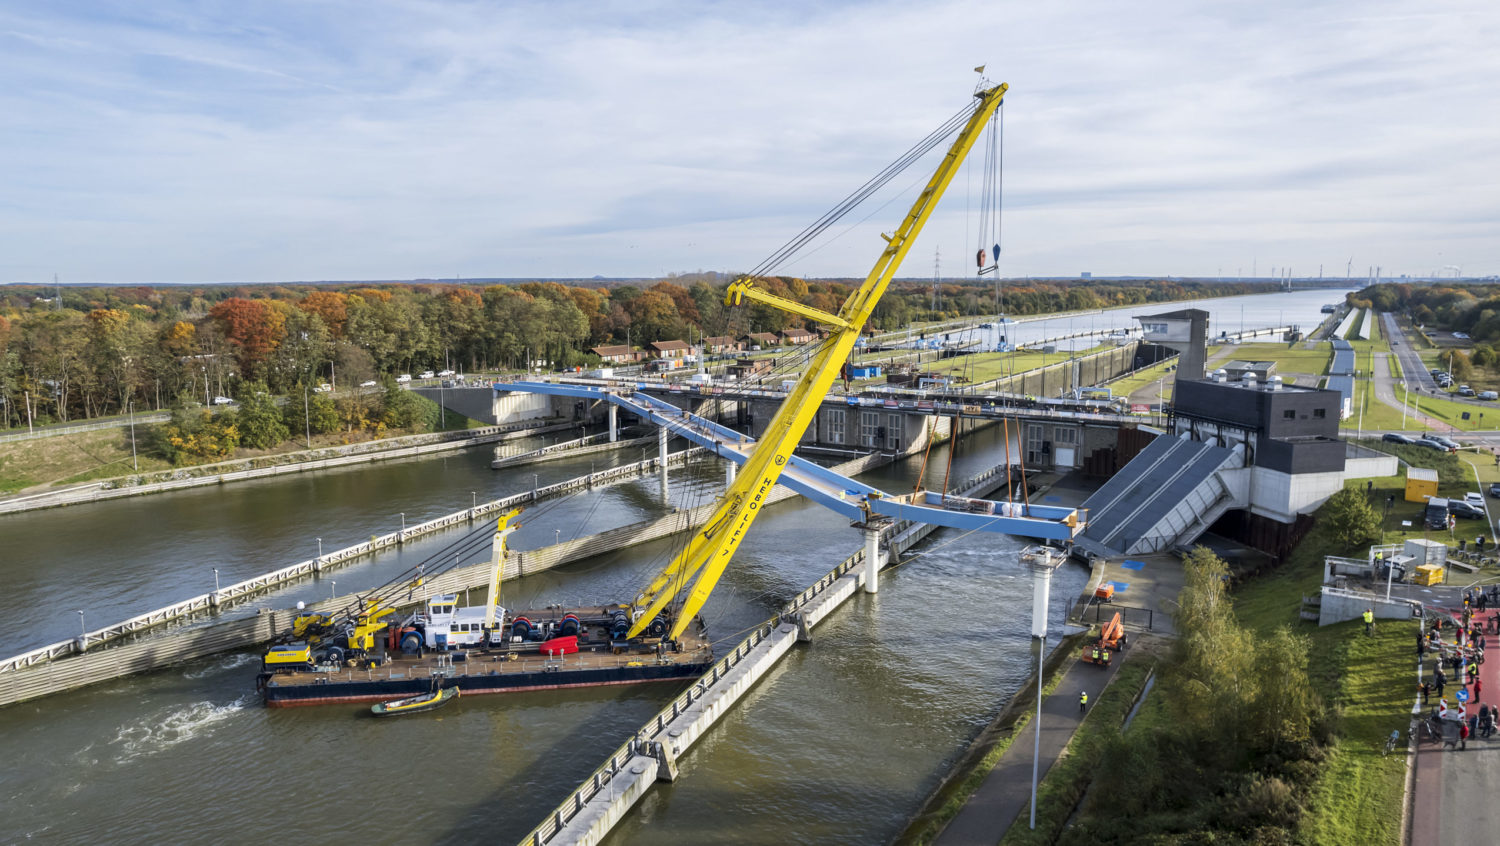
point(873, 560)
point(614, 422)
point(661, 455)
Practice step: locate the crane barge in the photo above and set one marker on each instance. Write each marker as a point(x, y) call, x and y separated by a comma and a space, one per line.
point(658, 635)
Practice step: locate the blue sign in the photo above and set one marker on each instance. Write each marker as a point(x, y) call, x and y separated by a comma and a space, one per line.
point(1462, 695)
point(1466, 415)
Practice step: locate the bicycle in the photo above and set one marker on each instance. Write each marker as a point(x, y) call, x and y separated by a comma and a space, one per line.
point(1390, 742)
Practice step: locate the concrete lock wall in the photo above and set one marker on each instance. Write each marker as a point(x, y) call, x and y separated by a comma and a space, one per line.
point(1339, 605)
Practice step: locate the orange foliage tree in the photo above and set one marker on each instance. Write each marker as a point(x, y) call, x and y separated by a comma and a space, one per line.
point(253, 328)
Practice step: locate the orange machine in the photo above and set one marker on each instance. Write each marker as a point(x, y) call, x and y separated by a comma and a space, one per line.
point(1111, 640)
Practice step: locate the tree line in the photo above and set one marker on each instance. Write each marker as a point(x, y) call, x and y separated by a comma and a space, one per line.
point(83, 352)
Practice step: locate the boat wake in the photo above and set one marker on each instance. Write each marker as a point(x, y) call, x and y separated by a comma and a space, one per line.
point(166, 729)
point(225, 662)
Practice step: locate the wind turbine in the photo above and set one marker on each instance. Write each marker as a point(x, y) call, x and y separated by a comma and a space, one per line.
point(1349, 268)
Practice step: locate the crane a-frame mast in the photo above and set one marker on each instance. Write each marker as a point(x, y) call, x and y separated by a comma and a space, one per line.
point(710, 549)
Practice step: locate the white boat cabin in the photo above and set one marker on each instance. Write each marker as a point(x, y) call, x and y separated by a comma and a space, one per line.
point(448, 625)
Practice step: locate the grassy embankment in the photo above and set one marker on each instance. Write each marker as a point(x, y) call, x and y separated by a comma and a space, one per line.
point(1353, 795)
point(1359, 320)
point(69, 459)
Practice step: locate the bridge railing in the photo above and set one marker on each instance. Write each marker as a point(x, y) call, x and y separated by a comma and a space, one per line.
point(240, 591)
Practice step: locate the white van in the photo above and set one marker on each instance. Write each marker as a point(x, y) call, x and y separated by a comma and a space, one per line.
point(1488, 395)
point(403, 378)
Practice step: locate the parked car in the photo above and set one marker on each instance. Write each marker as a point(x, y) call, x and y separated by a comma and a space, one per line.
point(1465, 391)
point(1461, 336)
point(1451, 444)
point(1436, 514)
point(1397, 438)
point(1488, 395)
point(403, 378)
point(426, 374)
point(445, 373)
point(1432, 444)
point(223, 401)
point(1474, 498)
point(1459, 508)
point(323, 388)
point(369, 383)
point(1435, 371)
point(1495, 489)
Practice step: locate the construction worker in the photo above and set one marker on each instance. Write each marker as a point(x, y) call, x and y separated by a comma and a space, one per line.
point(1094, 656)
point(1106, 657)
point(1369, 616)
point(1083, 701)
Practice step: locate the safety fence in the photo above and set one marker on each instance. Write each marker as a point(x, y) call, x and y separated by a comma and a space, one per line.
point(34, 673)
point(619, 766)
point(240, 591)
point(1090, 611)
point(218, 474)
point(74, 428)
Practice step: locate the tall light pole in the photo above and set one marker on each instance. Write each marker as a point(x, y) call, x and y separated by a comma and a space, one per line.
point(216, 580)
point(130, 408)
point(556, 536)
point(1042, 561)
point(333, 589)
point(82, 629)
point(306, 415)
point(320, 549)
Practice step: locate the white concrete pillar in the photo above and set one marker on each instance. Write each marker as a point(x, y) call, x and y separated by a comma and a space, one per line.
point(614, 422)
point(661, 454)
point(873, 561)
point(729, 468)
point(1041, 593)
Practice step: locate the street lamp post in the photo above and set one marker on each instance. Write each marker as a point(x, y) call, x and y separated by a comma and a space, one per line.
point(333, 590)
point(82, 629)
point(320, 549)
point(216, 580)
point(130, 407)
point(556, 536)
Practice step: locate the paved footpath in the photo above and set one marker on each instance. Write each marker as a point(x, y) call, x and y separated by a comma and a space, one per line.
point(1454, 791)
point(1006, 792)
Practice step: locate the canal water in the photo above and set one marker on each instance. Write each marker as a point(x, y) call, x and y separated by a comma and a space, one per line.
point(839, 744)
point(1225, 314)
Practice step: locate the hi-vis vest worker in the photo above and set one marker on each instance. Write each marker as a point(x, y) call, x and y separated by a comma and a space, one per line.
point(1369, 616)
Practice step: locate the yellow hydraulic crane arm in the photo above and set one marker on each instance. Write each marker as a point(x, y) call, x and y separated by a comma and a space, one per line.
point(710, 549)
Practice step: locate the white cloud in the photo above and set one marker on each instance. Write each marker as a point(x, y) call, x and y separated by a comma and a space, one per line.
point(166, 142)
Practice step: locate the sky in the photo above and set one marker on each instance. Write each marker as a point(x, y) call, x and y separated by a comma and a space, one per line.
point(197, 142)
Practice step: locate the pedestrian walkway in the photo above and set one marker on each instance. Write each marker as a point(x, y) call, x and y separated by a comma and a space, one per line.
point(1453, 791)
point(1006, 791)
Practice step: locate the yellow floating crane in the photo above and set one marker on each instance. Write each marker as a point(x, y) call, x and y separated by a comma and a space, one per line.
point(709, 550)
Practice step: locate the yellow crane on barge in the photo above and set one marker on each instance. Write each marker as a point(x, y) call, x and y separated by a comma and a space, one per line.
point(699, 565)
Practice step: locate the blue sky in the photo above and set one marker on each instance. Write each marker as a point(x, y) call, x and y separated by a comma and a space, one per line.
point(280, 141)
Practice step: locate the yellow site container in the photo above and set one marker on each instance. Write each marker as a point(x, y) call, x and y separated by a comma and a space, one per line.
point(1421, 483)
point(1429, 574)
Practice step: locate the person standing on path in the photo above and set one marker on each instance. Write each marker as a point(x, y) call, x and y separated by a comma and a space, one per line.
point(1083, 701)
point(1439, 680)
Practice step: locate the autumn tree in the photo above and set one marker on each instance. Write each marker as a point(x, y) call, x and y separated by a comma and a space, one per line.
point(330, 306)
point(253, 330)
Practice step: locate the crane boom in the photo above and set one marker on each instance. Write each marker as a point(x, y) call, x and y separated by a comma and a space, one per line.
point(709, 550)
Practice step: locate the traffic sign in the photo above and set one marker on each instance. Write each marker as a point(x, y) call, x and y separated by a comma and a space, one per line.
point(1462, 695)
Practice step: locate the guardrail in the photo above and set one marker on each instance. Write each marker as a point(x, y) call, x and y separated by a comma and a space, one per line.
point(239, 591)
point(618, 761)
point(68, 429)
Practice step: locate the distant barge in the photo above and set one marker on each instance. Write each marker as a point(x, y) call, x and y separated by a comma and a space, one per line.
point(593, 657)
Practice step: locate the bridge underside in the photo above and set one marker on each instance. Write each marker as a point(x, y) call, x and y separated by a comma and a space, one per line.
point(852, 499)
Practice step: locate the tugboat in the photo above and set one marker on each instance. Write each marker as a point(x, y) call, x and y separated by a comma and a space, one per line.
point(414, 704)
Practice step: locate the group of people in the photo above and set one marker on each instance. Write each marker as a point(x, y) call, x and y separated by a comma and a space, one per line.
point(1462, 658)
